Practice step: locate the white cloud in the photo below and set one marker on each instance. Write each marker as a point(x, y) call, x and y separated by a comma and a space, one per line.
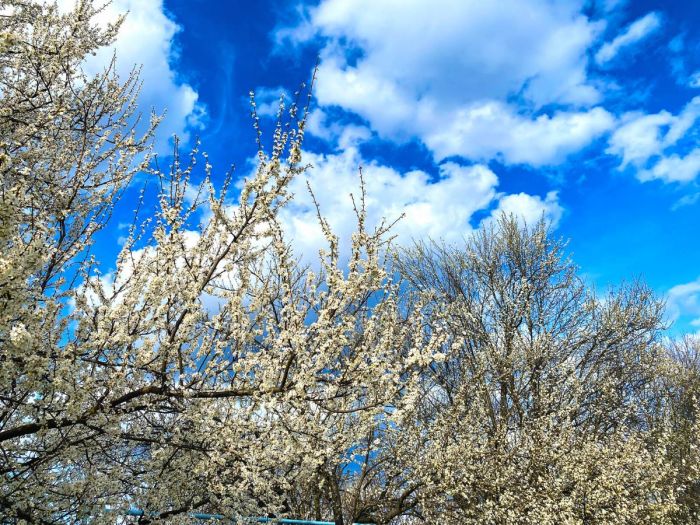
point(639, 137)
point(146, 39)
point(635, 32)
point(683, 122)
point(319, 125)
point(440, 207)
point(694, 80)
point(267, 100)
point(493, 130)
point(612, 5)
point(686, 200)
point(645, 141)
point(446, 72)
point(531, 208)
point(684, 302)
point(674, 168)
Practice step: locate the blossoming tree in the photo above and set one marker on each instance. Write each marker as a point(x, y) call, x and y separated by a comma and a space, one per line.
point(545, 409)
point(200, 373)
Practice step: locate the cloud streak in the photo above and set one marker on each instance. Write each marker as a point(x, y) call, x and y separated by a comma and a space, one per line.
point(635, 32)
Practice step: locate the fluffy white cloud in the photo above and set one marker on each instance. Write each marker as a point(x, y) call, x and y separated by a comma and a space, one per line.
point(446, 72)
point(146, 40)
point(684, 302)
point(639, 137)
point(531, 208)
point(635, 32)
point(492, 130)
point(440, 207)
point(645, 141)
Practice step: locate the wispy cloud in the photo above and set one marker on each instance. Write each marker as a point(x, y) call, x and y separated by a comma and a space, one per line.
point(635, 32)
point(686, 200)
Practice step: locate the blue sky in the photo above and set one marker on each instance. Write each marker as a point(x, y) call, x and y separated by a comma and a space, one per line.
point(584, 111)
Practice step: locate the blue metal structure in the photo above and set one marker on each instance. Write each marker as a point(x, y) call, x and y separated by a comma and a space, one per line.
point(283, 521)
